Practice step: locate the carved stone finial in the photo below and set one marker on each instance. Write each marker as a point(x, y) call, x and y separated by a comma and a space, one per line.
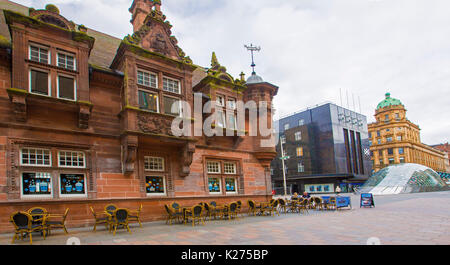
point(214, 62)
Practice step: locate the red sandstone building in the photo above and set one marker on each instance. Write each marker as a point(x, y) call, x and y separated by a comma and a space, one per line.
point(85, 119)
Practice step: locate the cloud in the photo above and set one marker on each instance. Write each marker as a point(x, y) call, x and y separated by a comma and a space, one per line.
point(311, 48)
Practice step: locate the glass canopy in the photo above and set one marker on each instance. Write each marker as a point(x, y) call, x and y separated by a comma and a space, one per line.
point(404, 178)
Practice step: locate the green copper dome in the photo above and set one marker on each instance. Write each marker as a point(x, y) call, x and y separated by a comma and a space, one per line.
point(389, 102)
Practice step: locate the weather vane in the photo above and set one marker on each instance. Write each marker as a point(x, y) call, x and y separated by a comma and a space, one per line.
point(253, 49)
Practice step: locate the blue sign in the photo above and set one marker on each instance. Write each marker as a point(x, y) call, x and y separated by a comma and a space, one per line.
point(343, 202)
point(367, 200)
point(326, 199)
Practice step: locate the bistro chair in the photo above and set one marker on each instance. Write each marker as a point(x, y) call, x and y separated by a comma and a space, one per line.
point(50, 223)
point(195, 214)
point(239, 209)
point(317, 203)
point(283, 205)
point(208, 211)
point(23, 224)
point(38, 214)
point(214, 211)
point(273, 208)
point(233, 210)
point(251, 208)
point(120, 219)
point(135, 216)
point(172, 215)
point(213, 204)
point(303, 206)
point(176, 206)
point(110, 208)
point(101, 218)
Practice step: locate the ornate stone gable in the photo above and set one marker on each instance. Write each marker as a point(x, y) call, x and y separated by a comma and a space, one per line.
point(156, 36)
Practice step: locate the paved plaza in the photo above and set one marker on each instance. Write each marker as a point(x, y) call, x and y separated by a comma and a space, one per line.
point(397, 219)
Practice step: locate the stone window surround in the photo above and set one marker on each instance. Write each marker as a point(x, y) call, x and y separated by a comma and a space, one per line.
point(158, 90)
point(166, 173)
point(225, 109)
point(222, 176)
point(51, 67)
point(16, 145)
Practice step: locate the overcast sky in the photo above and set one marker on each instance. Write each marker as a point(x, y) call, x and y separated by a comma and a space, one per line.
point(312, 48)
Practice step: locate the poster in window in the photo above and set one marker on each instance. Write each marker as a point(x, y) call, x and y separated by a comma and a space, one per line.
point(72, 184)
point(36, 184)
point(214, 185)
point(154, 185)
point(230, 185)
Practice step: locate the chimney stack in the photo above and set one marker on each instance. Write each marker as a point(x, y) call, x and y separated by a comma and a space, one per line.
point(140, 10)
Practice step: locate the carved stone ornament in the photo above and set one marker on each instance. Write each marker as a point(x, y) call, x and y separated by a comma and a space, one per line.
point(187, 158)
point(154, 124)
point(159, 44)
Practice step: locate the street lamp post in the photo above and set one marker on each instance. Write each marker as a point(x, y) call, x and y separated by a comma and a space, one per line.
point(284, 170)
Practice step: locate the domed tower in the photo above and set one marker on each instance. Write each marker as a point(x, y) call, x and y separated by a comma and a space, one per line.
point(390, 109)
point(394, 139)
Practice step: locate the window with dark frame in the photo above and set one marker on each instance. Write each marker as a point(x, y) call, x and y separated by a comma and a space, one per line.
point(155, 185)
point(66, 87)
point(390, 151)
point(39, 83)
point(148, 101)
point(72, 184)
point(172, 106)
point(36, 183)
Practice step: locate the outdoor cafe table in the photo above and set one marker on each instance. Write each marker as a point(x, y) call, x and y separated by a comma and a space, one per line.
point(261, 206)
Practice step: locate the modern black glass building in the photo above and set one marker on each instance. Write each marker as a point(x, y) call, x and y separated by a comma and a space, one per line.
point(327, 146)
